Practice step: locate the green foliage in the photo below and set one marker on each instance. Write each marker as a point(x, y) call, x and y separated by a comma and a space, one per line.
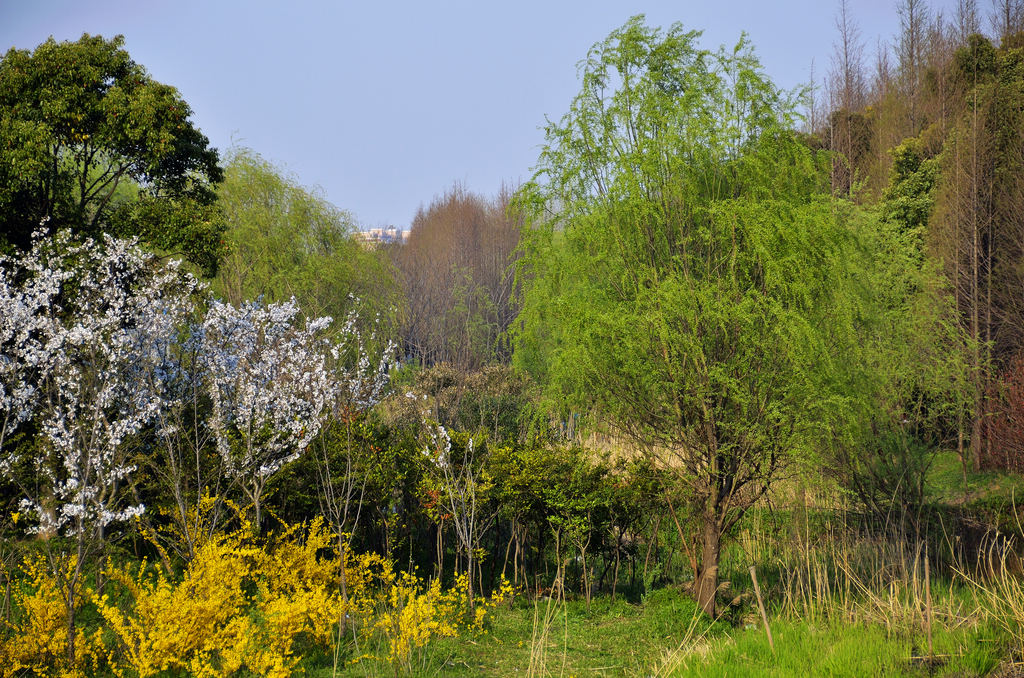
point(284, 240)
point(891, 477)
point(920, 347)
point(916, 381)
point(908, 200)
point(578, 502)
point(976, 59)
point(850, 136)
point(89, 140)
point(292, 493)
point(684, 270)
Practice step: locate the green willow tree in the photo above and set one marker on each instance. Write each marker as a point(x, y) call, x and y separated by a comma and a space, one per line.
point(284, 240)
point(686, 275)
point(90, 142)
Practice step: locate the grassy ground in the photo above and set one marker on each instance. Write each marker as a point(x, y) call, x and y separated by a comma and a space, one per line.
point(665, 636)
point(946, 483)
point(804, 649)
point(616, 638)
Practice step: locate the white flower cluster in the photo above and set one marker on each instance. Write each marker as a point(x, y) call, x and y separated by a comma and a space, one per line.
point(364, 382)
point(439, 449)
point(268, 384)
point(81, 327)
point(28, 292)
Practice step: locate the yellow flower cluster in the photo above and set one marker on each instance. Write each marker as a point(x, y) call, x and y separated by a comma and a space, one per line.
point(241, 605)
point(37, 636)
point(409, 614)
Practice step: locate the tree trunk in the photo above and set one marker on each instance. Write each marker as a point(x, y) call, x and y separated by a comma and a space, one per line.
point(342, 552)
point(586, 578)
point(615, 576)
point(69, 603)
point(71, 587)
point(508, 552)
point(975, 293)
point(707, 576)
point(963, 455)
point(976, 422)
point(469, 582)
point(440, 551)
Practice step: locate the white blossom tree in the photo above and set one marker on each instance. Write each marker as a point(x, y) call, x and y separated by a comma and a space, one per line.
point(82, 324)
point(362, 374)
point(462, 485)
point(186, 463)
point(247, 384)
point(269, 388)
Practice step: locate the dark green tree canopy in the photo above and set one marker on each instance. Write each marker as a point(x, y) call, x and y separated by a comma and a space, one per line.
point(89, 140)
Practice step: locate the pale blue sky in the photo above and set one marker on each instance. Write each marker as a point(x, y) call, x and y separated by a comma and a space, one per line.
point(384, 105)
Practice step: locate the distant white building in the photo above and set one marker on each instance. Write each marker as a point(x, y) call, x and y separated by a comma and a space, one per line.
point(386, 236)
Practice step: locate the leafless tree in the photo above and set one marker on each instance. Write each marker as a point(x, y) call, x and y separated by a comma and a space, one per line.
point(910, 49)
point(848, 60)
point(1007, 17)
point(967, 22)
point(456, 270)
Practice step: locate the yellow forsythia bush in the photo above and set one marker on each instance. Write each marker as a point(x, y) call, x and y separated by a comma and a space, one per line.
point(241, 605)
point(408, 614)
point(34, 641)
